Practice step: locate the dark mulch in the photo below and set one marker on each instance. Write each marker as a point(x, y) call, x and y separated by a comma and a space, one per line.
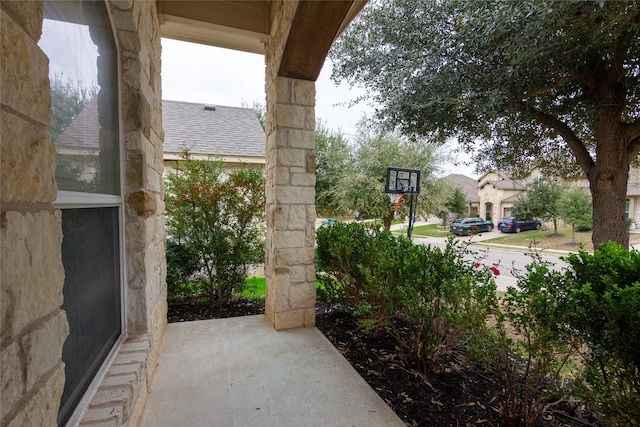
point(457, 396)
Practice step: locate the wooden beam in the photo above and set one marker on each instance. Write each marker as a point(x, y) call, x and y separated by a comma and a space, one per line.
point(315, 26)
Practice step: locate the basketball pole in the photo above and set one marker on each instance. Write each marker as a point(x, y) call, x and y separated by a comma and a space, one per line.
point(411, 213)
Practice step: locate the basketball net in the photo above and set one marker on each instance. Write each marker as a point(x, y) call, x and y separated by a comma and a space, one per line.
point(397, 200)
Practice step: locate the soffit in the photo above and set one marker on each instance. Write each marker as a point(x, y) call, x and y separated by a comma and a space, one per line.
point(246, 25)
point(234, 24)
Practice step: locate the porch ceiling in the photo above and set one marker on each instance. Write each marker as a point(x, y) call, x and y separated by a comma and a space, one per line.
point(246, 25)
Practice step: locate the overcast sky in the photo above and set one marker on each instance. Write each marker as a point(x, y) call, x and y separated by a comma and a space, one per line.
point(209, 75)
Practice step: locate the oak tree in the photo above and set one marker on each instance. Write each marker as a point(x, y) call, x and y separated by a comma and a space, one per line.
point(554, 84)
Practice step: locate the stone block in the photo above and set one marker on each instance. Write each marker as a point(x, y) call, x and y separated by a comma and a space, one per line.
point(129, 41)
point(135, 345)
point(291, 116)
point(301, 139)
point(42, 408)
point(32, 274)
point(284, 88)
point(132, 71)
point(304, 92)
point(297, 217)
point(281, 175)
point(302, 295)
point(12, 377)
point(112, 397)
point(103, 415)
point(298, 274)
point(278, 217)
point(43, 347)
point(291, 319)
point(142, 203)
point(24, 69)
point(288, 239)
point(294, 195)
point(139, 357)
point(291, 157)
point(28, 15)
point(304, 180)
point(310, 317)
point(134, 170)
point(27, 161)
point(280, 291)
point(311, 273)
point(294, 256)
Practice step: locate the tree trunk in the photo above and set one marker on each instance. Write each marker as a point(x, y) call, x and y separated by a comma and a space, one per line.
point(387, 220)
point(608, 180)
point(609, 195)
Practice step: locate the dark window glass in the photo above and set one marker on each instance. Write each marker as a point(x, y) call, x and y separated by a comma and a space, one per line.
point(90, 254)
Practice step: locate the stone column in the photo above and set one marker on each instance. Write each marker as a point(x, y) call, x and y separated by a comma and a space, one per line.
point(290, 168)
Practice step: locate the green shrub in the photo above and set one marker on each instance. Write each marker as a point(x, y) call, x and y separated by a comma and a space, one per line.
point(182, 263)
point(427, 298)
point(218, 214)
point(583, 227)
point(526, 350)
point(603, 306)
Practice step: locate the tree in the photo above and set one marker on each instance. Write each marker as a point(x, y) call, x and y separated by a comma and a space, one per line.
point(68, 99)
point(535, 83)
point(457, 203)
point(333, 160)
point(361, 189)
point(217, 214)
point(260, 110)
point(574, 207)
point(540, 201)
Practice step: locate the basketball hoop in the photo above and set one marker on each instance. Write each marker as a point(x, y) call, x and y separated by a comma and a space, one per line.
point(397, 200)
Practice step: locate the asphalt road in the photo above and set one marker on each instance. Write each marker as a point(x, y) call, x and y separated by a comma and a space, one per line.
point(508, 260)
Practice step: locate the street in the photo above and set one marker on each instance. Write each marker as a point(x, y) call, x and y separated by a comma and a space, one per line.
point(507, 261)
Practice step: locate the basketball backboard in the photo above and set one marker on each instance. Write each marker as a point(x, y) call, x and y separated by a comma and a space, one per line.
point(402, 181)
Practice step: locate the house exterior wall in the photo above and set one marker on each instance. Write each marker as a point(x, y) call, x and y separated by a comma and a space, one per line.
point(33, 325)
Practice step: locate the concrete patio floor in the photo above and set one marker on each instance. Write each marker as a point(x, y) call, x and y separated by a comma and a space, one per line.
point(241, 372)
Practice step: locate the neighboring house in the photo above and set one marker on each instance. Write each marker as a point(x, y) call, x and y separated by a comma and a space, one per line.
point(497, 192)
point(470, 188)
point(232, 133)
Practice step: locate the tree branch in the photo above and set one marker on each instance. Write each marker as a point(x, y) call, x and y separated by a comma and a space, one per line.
point(575, 144)
point(580, 77)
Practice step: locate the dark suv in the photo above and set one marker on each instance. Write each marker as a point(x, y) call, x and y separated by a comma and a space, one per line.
point(509, 224)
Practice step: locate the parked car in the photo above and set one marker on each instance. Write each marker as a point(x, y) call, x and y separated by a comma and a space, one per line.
point(509, 224)
point(464, 226)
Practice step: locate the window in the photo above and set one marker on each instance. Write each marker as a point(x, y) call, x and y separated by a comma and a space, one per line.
point(627, 207)
point(78, 39)
point(488, 208)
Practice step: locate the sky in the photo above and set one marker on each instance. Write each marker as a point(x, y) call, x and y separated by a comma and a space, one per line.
point(210, 75)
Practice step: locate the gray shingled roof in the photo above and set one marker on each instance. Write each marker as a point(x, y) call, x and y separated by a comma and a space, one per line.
point(82, 132)
point(468, 185)
point(225, 131)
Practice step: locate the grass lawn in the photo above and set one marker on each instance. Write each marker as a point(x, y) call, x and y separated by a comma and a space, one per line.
point(256, 287)
point(430, 230)
point(547, 239)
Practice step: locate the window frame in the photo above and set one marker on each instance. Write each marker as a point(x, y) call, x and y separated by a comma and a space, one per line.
point(67, 199)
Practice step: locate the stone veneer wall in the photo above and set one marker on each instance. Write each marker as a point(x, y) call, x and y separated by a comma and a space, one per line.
point(33, 327)
point(290, 170)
